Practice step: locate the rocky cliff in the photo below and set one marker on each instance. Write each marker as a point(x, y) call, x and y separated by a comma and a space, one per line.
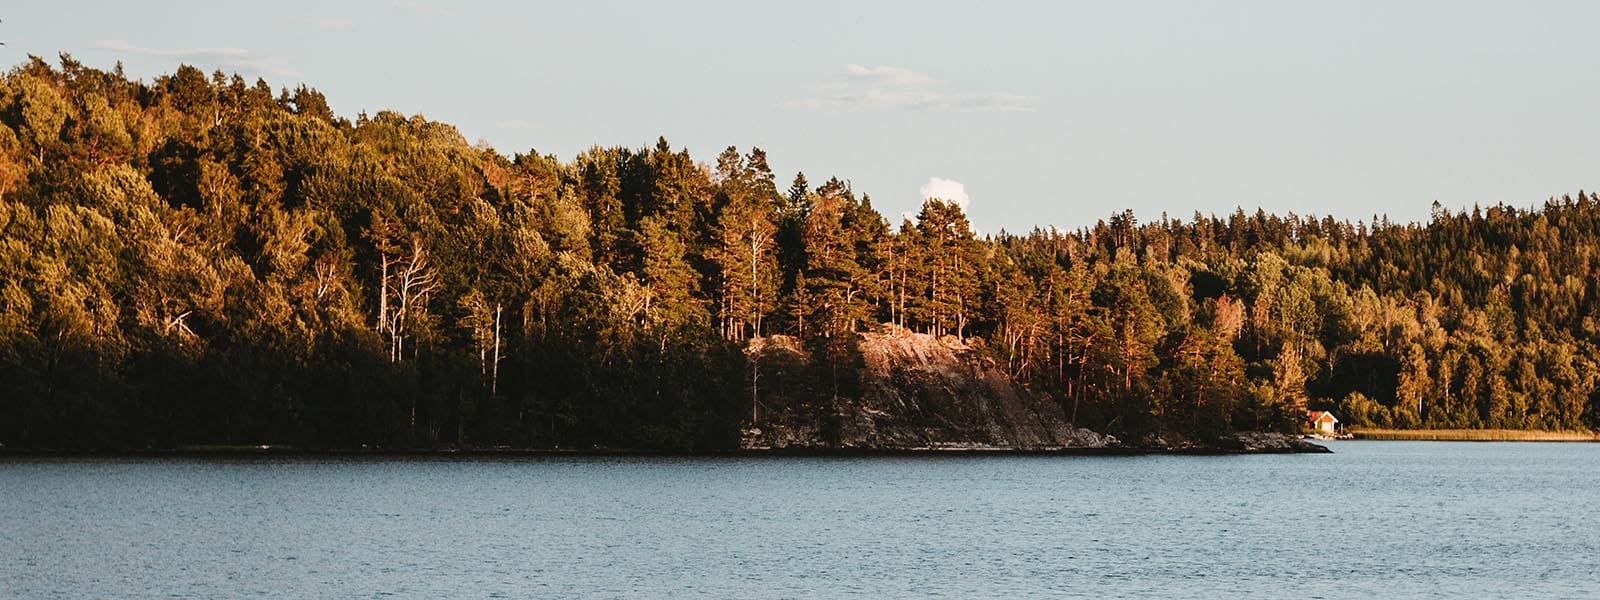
point(902, 391)
point(907, 391)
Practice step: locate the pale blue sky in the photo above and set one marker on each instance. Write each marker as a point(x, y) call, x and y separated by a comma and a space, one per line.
point(1047, 113)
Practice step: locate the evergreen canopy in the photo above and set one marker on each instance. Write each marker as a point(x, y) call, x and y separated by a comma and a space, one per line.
point(201, 260)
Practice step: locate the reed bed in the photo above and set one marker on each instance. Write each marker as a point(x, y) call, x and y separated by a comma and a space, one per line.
point(1475, 435)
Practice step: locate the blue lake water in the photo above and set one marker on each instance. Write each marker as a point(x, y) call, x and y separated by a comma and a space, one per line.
point(1375, 519)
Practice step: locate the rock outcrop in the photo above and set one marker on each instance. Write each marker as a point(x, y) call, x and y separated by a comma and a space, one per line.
point(913, 392)
point(1256, 442)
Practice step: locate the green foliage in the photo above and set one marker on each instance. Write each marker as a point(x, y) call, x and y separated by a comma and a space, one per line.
point(198, 260)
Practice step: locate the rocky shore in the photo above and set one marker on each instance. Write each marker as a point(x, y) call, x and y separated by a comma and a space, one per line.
point(918, 393)
point(1244, 442)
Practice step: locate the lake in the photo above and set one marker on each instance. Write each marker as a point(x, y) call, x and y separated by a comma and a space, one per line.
point(1384, 519)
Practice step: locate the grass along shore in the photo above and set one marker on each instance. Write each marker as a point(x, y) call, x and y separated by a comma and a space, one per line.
point(1473, 435)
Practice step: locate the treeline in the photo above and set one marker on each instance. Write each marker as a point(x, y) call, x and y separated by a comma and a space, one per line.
point(202, 260)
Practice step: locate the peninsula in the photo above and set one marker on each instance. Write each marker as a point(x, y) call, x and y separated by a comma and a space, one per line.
point(205, 260)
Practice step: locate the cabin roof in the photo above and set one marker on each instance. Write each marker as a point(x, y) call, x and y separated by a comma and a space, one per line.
point(1319, 416)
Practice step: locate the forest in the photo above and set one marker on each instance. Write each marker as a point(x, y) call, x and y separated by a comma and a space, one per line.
point(200, 259)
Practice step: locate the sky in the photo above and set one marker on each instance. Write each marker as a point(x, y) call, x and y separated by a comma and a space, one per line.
point(1029, 113)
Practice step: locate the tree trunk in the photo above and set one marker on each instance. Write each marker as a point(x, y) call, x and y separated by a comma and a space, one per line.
point(383, 294)
point(755, 290)
point(494, 380)
point(755, 396)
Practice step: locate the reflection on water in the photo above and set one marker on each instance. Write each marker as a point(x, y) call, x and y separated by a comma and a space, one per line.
point(1388, 519)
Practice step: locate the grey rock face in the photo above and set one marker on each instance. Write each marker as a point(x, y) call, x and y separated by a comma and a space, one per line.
point(921, 392)
point(917, 392)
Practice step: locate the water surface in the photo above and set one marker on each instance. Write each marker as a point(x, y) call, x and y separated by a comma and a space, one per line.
point(1386, 519)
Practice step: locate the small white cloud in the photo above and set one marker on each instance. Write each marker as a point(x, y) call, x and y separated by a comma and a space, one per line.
point(238, 59)
point(885, 87)
point(948, 190)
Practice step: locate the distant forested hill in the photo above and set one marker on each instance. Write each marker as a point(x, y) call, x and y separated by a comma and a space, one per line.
point(201, 259)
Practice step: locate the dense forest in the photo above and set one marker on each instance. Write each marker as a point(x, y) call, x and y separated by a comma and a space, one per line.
point(204, 260)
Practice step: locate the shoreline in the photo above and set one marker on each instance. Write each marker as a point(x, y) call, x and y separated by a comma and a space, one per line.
point(1472, 435)
point(512, 452)
point(447, 453)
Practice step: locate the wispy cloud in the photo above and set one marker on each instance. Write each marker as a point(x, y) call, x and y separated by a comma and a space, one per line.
point(328, 23)
point(426, 9)
point(887, 75)
point(518, 124)
point(885, 87)
point(238, 59)
point(917, 100)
